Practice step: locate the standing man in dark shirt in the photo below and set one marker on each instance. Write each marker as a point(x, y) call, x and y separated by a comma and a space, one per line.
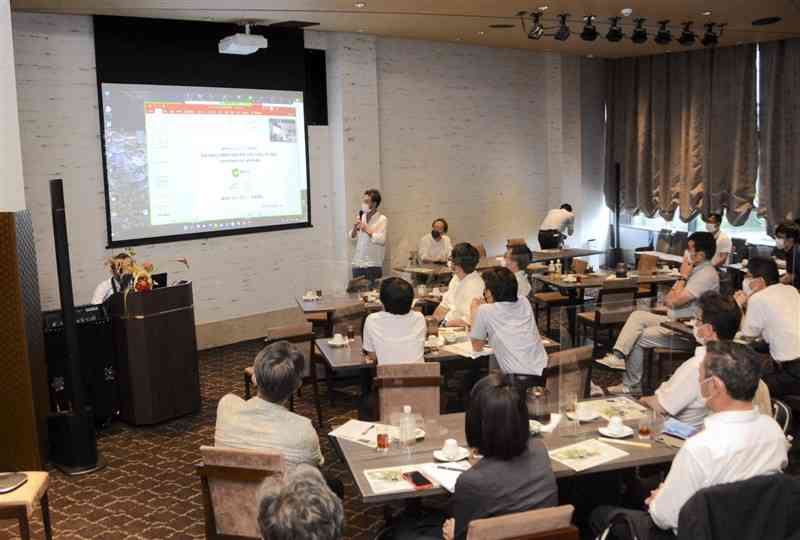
point(787, 240)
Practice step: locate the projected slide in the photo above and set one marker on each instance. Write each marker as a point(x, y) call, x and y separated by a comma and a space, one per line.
point(186, 160)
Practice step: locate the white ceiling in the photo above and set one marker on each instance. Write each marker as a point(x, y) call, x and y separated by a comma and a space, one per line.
point(466, 21)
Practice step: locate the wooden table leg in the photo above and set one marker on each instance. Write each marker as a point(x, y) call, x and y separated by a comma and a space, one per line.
point(24, 526)
point(315, 385)
point(48, 532)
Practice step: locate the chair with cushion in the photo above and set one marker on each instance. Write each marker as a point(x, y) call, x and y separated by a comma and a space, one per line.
point(659, 364)
point(569, 371)
point(416, 384)
point(511, 242)
point(296, 329)
point(543, 524)
point(579, 266)
point(615, 302)
point(782, 414)
point(230, 480)
point(663, 241)
point(19, 504)
point(679, 242)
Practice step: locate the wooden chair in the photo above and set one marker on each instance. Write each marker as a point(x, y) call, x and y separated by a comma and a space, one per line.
point(481, 250)
point(569, 370)
point(359, 284)
point(679, 242)
point(295, 330)
point(579, 266)
point(19, 504)
point(543, 524)
point(230, 480)
point(515, 242)
point(663, 241)
point(653, 372)
point(647, 266)
point(416, 384)
point(615, 302)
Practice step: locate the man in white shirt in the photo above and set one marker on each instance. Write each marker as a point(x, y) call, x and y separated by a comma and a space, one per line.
point(506, 322)
point(464, 287)
point(517, 259)
point(263, 422)
point(737, 443)
point(435, 247)
point(369, 232)
point(643, 329)
point(557, 222)
point(120, 268)
point(395, 335)
point(724, 243)
point(718, 319)
point(773, 314)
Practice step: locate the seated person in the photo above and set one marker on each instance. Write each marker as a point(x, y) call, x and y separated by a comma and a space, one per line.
point(737, 443)
point(514, 474)
point(787, 246)
point(643, 329)
point(263, 422)
point(120, 267)
point(300, 506)
point(464, 287)
point(718, 319)
point(436, 246)
point(517, 260)
point(397, 334)
point(507, 323)
point(773, 314)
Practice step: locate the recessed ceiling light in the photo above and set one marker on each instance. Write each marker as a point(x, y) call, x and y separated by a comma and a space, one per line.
point(626, 11)
point(481, 33)
point(706, 13)
point(767, 21)
point(360, 5)
point(589, 56)
point(543, 8)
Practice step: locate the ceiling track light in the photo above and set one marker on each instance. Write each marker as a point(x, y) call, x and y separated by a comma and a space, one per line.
point(562, 34)
point(639, 34)
point(589, 32)
point(614, 31)
point(688, 37)
point(663, 36)
point(710, 39)
point(537, 30)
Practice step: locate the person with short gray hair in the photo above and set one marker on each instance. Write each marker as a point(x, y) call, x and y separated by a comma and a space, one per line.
point(263, 422)
point(300, 506)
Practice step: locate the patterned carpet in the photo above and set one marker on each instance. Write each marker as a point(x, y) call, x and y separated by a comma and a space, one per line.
point(149, 489)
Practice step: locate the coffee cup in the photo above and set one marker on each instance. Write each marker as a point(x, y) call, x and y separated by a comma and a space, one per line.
point(615, 425)
point(450, 449)
point(311, 294)
point(436, 291)
point(422, 290)
point(338, 339)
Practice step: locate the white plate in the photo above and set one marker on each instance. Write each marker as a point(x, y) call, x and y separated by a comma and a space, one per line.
point(626, 432)
point(535, 427)
point(463, 453)
point(310, 298)
point(592, 416)
point(335, 344)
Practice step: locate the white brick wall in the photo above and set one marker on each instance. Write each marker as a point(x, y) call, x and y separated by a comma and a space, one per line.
point(467, 132)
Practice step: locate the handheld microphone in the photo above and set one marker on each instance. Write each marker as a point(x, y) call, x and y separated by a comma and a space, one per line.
point(360, 214)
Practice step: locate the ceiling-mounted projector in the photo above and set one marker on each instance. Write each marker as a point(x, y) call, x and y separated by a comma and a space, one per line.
point(246, 43)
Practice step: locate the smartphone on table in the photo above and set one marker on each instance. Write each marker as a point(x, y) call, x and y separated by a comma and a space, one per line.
point(417, 479)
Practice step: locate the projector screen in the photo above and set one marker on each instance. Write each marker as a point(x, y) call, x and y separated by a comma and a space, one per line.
point(183, 162)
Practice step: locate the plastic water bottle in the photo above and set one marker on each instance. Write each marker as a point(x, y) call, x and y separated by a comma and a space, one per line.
point(551, 268)
point(408, 428)
point(558, 269)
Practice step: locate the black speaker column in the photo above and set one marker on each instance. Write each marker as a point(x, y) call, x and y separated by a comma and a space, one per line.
point(72, 438)
point(616, 253)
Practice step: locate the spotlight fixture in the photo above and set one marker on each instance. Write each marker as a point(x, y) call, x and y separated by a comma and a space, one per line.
point(767, 21)
point(614, 31)
point(589, 32)
point(663, 36)
point(537, 30)
point(562, 34)
point(360, 5)
point(639, 34)
point(710, 38)
point(687, 36)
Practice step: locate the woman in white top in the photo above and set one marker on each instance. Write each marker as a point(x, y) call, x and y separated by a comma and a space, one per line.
point(436, 246)
point(395, 335)
point(517, 259)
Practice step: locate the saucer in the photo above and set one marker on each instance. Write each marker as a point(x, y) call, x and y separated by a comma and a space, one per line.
point(534, 427)
point(339, 344)
point(590, 417)
point(438, 342)
point(626, 432)
point(463, 453)
point(310, 298)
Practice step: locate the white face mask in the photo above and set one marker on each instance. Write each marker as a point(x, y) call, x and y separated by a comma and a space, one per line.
point(747, 286)
point(450, 265)
point(696, 332)
point(712, 228)
point(780, 243)
point(365, 208)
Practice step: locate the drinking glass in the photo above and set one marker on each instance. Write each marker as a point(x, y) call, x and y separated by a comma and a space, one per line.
point(382, 433)
point(646, 425)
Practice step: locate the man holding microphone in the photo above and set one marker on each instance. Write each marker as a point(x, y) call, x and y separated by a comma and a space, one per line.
point(369, 232)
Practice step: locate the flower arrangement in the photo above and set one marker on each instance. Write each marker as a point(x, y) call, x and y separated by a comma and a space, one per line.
point(142, 274)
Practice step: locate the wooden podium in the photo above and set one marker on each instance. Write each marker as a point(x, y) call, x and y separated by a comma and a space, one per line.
point(156, 347)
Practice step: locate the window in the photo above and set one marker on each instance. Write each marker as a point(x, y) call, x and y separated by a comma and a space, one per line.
point(754, 230)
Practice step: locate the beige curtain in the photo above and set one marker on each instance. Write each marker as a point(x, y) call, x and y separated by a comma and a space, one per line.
point(780, 130)
point(683, 129)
